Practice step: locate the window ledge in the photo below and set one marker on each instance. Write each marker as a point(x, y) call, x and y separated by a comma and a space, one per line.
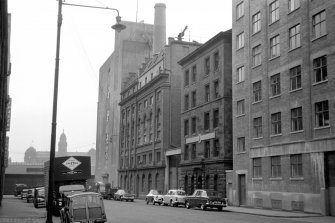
point(298, 47)
point(275, 96)
point(298, 131)
point(319, 37)
point(276, 178)
point(257, 178)
point(240, 153)
point(297, 89)
point(239, 116)
point(290, 12)
point(297, 178)
point(320, 82)
point(258, 138)
point(322, 127)
point(280, 134)
point(240, 49)
point(256, 102)
point(273, 22)
point(256, 33)
point(239, 82)
point(239, 18)
point(258, 65)
point(275, 57)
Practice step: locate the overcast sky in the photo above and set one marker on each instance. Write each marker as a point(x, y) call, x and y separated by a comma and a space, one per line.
point(86, 42)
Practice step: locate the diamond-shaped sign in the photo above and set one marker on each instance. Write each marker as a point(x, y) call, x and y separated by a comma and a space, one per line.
point(71, 163)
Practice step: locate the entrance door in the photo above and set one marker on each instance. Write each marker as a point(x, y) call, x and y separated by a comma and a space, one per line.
point(330, 180)
point(241, 189)
point(137, 187)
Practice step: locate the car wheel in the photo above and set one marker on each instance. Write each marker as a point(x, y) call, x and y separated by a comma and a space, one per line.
point(203, 207)
point(187, 205)
point(171, 203)
point(219, 208)
point(147, 201)
point(153, 203)
point(132, 200)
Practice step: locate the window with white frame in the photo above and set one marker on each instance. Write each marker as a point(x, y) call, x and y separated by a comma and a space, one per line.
point(320, 69)
point(293, 5)
point(256, 56)
point(240, 40)
point(274, 47)
point(274, 11)
point(240, 109)
point(294, 37)
point(256, 23)
point(258, 127)
point(257, 167)
point(275, 84)
point(296, 119)
point(321, 114)
point(257, 91)
point(295, 78)
point(319, 24)
point(275, 166)
point(240, 74)
point(216, 89)
point(296, 165)
point(240, 10)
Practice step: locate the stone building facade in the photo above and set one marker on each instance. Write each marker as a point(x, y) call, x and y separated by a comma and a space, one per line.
point(150, 122)
point(283, 105)
point(206, 124)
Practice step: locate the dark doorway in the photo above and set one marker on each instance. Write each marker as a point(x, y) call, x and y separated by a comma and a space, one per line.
point(330, 180)
point(241, 189)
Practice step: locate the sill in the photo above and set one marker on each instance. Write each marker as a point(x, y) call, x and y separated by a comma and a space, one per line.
point(290, 50)
point(297, 89)
point(242, 47)
point(256, 102)
point(275, 96)
point(276, 178)
point(258, 138)
point(280, 134)
point(296, 178)
point(274, 22)
point(238, 153)
point(322, 127)
point(320, 82)
point(257, 178)
point(256, 33)
point(239, 116)
point(239, 82)
point(290, 12)
point(237, 19)
point(319, 37)
point(258, 65)
point(272, 58)
point(298, 131)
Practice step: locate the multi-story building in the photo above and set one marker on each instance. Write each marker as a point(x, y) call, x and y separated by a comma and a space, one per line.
point(132, 45)
point(283, 105)
point(150, 122)
point(206, 109)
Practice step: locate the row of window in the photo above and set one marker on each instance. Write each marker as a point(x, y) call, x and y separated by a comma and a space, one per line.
point(190, 150)
point(146, 183)
point(140, 160)
point(206, 124)
point(321, 120)
point(320, 74)
point(296, 167)
point(207, 95)
point(207, 68)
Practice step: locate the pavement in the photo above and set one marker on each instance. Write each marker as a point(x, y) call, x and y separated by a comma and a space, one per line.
point(16, 210)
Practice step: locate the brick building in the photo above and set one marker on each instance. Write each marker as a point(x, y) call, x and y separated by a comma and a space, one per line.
point(150, 122)
point(283, 105)
point(206, 124)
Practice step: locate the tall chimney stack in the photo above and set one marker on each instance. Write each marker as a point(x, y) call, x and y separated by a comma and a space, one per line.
point(159, 28)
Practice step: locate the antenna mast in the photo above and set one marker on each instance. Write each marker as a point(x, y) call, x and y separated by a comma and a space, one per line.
point(136, 9)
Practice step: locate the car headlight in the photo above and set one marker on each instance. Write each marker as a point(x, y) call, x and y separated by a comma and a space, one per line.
point(60, 203)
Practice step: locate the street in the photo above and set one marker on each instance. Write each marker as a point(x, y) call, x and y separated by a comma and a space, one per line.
point(139, 212)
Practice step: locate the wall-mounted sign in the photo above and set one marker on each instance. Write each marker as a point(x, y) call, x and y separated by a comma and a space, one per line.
point(200, 138)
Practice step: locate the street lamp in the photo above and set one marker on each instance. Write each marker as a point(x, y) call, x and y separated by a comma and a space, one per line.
point(118, 27)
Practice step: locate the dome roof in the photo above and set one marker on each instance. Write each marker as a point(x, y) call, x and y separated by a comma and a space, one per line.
point(30, 150)
point(91, 151)
point(63, 136)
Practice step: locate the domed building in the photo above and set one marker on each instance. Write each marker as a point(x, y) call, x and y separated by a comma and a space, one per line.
point(30, 155)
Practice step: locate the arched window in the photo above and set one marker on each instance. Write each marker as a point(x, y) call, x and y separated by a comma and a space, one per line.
point(149, 182)
point(199, 183)
point(207, 182)
point(157, 181)
point(215, 183)
point(143, 183)
point(121, 178)
point(125, 182)
point(186, 184)
point(192, 184)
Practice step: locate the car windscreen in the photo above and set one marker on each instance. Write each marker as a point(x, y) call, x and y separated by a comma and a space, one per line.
point(74, 187)
point(154, 192)
point(181, 193)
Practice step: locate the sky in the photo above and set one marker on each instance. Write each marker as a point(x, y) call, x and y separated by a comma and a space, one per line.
point(87, 40)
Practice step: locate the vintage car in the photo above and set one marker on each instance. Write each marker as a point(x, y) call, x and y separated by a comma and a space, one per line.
point(83, 207)
point(39, 197)
point(123, 195)
point(205, 199)
point(174, 198)
point(30, 195)
point(18, 189)
point(154, 197)
point(24, 194)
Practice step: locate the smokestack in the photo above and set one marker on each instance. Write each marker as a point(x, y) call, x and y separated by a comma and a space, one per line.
point(159, 28)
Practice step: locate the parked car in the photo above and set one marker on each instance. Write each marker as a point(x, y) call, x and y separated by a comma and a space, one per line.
point(174, 198)
point(123, 195)
point(30, 195)
point(83, 207)
point(154, 197)
point(205, 199)
point(39, 197)
point(18, 189)
point(24, 194)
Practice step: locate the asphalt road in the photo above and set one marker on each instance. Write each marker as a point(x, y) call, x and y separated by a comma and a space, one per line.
point(139, 212)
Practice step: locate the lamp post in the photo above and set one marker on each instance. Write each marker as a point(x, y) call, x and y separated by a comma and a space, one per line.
point(118, 27)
